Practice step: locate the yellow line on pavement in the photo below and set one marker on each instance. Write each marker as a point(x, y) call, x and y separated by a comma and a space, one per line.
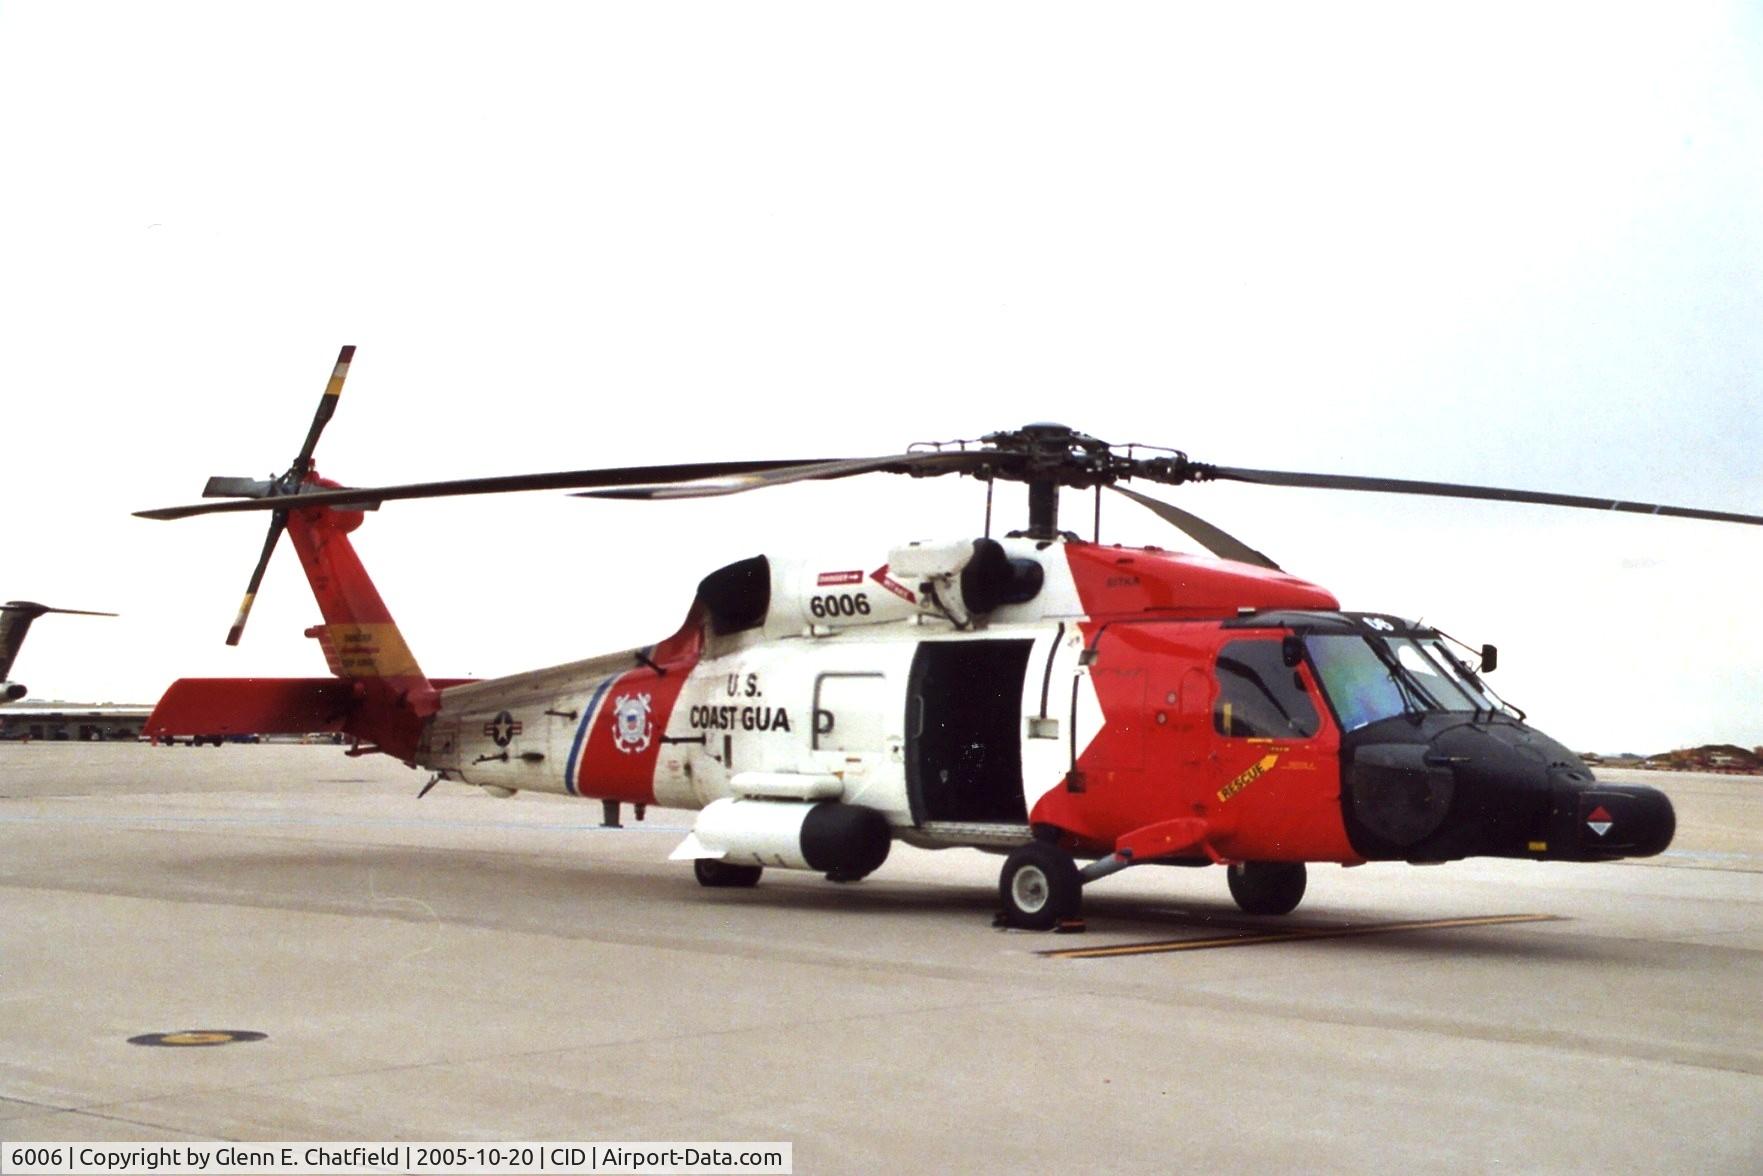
point(1295, 935)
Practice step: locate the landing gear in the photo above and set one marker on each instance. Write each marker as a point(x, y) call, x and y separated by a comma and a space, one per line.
point(1267, 888)
point(712, 872)
point(1040, 886)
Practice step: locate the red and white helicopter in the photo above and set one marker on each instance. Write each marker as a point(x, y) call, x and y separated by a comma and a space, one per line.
point(1049, 699)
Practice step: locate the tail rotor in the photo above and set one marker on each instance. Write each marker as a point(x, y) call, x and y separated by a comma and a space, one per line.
point(291, 482)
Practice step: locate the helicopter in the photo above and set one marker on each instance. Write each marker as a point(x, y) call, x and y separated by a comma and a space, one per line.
point(1076, 708)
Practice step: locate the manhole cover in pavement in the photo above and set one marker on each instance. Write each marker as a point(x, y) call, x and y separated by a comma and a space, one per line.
point(198, 1037)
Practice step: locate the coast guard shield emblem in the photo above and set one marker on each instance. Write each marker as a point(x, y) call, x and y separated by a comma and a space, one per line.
point(632, 729)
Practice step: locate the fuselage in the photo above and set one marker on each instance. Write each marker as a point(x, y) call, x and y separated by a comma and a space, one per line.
point(980, 694)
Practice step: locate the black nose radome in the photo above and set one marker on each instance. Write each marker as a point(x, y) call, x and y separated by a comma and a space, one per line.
point(1602, 821)
point(1442, 787)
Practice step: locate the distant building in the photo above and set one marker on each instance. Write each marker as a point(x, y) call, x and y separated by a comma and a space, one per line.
point(78, 721)
point(1710, 757)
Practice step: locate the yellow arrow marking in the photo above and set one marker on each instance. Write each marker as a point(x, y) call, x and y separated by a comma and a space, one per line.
point(1260, 768)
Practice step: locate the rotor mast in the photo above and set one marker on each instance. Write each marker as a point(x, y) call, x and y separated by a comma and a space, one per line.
point(1051, 456)
point(1043, 509)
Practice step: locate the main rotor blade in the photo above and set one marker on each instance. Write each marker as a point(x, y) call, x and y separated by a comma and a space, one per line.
point(277, 524)
point(1218, 542)
point(327, 407)
point(360, 496)
point(927, 464)
point(1455, 490)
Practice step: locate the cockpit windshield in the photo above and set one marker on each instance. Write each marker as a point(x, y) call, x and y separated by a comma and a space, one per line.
point(1370, 678)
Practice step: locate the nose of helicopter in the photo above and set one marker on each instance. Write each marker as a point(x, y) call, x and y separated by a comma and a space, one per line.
point(1444, 787)
point(1605, 821)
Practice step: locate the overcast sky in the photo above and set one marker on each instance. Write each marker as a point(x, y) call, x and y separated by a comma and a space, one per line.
point(1519, 245)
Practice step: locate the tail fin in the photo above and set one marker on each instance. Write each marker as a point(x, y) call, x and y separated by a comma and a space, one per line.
point(15, 621)
point(384, 696)
point(380, 696)
point(361, 641)
point(359, 637)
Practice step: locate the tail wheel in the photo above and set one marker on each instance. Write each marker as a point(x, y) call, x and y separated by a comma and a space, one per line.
point(1040, 886)
point(1267, 888)
point(712, 872)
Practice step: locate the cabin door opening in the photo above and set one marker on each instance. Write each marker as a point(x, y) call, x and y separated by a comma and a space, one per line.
point(964, 724)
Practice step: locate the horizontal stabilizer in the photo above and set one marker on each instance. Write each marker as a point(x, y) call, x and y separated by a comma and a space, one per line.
point(252, 706)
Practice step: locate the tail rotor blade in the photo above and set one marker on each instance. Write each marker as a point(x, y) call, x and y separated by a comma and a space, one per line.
point(277, 524)
point(327, 408)
point(1218, 542)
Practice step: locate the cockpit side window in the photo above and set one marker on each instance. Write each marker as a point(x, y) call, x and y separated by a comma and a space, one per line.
point(1259, 696)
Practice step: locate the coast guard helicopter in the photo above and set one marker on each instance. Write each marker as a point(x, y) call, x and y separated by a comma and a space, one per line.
point(1077, 708)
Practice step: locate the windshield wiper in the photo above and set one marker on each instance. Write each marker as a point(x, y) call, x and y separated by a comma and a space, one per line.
point(1495, 703)
point(1414, 700)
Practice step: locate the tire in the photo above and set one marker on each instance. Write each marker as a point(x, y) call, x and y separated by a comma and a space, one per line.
point(1267, 888)
point(712, 872)
point(1039, 886)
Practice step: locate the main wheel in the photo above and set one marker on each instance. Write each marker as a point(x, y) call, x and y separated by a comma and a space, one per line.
point(1039, 886)
point(1267, 888)
point(712, 872)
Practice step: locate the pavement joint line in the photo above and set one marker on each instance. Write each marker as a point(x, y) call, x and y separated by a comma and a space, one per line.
point(31, 1102)
point(54, 1109)
point(120, 818)
point(1295, 935)
point(194, 1135)
point(145, 1101)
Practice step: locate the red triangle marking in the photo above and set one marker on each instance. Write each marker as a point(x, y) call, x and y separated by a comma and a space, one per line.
point(1598, 814)
point(881, 576)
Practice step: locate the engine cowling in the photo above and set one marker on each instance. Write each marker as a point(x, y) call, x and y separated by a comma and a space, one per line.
point(842, 841)
point(12, 691)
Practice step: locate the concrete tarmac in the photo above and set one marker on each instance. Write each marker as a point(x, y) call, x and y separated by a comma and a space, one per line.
point(463, 968)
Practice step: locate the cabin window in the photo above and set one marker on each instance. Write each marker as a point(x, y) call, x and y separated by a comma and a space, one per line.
point(848, 712)
point(1259, 696)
